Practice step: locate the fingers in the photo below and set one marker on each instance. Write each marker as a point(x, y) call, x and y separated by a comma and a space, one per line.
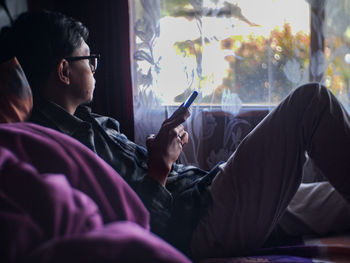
point(180, 110)
point(183, 138)
point(179, 116)
point(149, 139)
point(178, 130)
point(181, 134)
point(171, 130)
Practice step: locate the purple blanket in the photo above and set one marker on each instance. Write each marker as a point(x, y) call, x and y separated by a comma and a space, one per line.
point(59, 202)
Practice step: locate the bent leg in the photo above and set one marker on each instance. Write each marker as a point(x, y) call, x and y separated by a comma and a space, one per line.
point(255, 186)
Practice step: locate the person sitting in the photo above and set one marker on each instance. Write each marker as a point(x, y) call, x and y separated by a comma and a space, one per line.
point(228, 211)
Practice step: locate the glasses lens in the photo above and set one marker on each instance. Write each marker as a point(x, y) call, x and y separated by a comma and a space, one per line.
point(93, 63)
point(96, 62)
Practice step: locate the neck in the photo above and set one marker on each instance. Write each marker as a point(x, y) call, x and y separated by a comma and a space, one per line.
point(62, 102)
point(56, 92)
point(69, 107)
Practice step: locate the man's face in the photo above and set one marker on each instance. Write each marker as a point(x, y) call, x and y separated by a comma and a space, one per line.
point(82, 81)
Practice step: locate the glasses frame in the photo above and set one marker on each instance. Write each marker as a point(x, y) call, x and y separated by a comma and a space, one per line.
point(93, 67)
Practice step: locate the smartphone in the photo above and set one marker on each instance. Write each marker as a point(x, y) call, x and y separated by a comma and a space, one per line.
point(190, 100)
point(185, 105)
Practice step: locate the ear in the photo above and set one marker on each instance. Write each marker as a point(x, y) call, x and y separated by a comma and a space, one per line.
point(63, 71)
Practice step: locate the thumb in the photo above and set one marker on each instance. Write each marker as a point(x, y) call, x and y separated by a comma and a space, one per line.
point(149, 139)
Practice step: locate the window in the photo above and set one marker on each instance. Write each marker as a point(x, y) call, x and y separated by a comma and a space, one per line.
point(242, 54)
point(250, 48)
point(336, 61)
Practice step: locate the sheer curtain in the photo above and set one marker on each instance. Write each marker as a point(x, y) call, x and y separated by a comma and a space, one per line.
point(336, 55)
point(243, 57)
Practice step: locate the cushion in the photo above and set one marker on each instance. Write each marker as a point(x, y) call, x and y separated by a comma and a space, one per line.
point(16, 100)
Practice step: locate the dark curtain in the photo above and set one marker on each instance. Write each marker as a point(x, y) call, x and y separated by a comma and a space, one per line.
point(108, 23)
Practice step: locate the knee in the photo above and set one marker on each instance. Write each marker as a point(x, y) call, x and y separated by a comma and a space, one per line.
point(310, 91)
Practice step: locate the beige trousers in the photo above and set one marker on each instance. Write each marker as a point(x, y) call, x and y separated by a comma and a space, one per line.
point(259, 180)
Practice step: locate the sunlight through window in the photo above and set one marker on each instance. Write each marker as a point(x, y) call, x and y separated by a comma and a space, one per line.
point(236, 47)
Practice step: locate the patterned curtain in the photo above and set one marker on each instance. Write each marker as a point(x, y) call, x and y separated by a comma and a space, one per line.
point(243, 57)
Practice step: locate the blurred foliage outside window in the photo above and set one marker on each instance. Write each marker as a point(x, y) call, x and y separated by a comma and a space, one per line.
point(256, 51)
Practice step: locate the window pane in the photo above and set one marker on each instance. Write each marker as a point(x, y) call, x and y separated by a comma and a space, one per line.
point(250, 51)
point(337, 49)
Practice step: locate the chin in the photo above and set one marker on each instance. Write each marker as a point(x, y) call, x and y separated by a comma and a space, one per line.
point(91, 97)
point(86, 101)
point(89, 100)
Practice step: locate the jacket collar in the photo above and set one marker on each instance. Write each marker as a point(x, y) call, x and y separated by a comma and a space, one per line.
point(59, 117)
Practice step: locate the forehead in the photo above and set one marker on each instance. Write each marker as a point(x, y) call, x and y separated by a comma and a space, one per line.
point(83, 50)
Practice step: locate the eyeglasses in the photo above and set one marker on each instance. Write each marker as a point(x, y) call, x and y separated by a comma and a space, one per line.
point(93, 60)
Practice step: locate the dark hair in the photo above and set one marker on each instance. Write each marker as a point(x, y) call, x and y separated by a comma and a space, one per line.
point(40, 40)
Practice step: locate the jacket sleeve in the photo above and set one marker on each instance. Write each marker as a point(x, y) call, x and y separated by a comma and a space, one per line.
point(131, 163)
point(159, 202)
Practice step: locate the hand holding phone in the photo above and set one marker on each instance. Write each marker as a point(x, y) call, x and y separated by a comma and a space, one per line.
point(159, 146)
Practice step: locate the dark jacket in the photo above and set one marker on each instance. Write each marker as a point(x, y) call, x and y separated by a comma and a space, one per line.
point(175, 209)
